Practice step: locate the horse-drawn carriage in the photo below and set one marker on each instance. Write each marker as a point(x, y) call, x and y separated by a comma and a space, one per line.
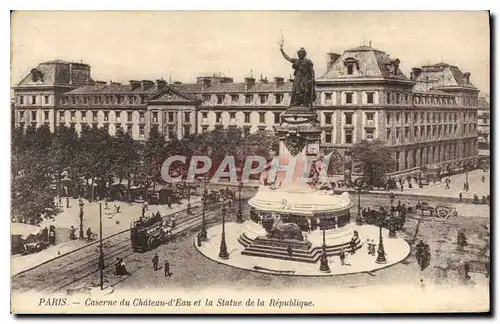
point(440, 211)
point(387, 218)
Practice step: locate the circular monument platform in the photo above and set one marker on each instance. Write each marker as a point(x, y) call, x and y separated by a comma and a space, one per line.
point(240, 236)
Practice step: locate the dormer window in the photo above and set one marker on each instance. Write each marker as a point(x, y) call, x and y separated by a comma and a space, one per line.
point(351, 63)
point(36, 75)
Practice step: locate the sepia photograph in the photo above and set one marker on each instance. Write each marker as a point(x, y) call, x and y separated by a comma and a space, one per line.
point(250, 162)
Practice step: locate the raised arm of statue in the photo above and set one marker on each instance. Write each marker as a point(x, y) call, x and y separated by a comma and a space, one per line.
point(288, 58)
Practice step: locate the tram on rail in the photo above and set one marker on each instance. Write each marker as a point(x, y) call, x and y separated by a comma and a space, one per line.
point(147, 234)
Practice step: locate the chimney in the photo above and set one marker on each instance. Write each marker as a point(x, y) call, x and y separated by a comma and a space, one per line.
point(114, 83)
point(279, 81)
point(70, 73)
point(160, 84)
point(395, 64)
point(99, 85)
point(146, 84)
point(415, 72)
point(204, 81)
point(467, 77)
point(134, 84)
point(177, 82)
point(263, 80)
point(249, 82)
point(332, 58)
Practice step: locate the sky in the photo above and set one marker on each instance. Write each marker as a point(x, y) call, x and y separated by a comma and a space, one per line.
point(180, 45)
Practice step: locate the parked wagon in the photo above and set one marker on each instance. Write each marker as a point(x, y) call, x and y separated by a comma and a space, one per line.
point(446, 211)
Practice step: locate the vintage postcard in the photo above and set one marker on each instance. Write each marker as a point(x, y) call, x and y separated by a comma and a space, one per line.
point(227, 162)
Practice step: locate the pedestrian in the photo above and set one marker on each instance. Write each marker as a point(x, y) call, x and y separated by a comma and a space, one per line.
point(118, 209)
point(422, 285)
point(89, 234)
point(106, 204)
point(67, 202)
point(72, 235)
point(123, 270)
point(342, 257)
point(59, 202)
point(198, 239)
point(374, 247)
point(117, 266)
point(155, 261)
point(52, 236)
point(401, 187)
point(167, 269)
point(289, 250)
point(460, 197)
point(483, 179)
point(447, 184)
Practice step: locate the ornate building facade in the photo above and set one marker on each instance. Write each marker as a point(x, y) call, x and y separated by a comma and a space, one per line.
point(428, 118)
point(483, 123)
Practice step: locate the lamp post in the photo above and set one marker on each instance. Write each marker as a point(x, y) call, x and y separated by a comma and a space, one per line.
point(101, 253)
point(466, 168)
point(203, 231)
point(81, 219)
point(189, 199)
point(359, 220)
point(380, 252)
point(359, 186)
point(323, 267)
point(239, 215)
point(223, 247)
point(392, 229)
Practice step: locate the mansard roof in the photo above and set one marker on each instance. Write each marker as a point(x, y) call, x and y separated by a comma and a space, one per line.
point(54, 73)
point(367, 62)
point(441, 76)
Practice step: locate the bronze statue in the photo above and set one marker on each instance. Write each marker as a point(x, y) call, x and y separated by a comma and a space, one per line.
point(303, 93)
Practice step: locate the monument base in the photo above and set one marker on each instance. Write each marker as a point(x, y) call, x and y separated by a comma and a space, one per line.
point(301, 251)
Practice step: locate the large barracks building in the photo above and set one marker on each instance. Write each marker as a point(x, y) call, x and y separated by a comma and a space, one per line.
point(428, 117)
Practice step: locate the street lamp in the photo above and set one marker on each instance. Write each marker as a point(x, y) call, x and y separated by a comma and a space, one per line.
point(189, 199)
point(323, 267)
point(380, 252)
point(466, 168)
point(392, 229)
point(239, 215)
point(223, 247)
point(359, 219)
point(203, 232)
point(81, 219)
point(101, 253)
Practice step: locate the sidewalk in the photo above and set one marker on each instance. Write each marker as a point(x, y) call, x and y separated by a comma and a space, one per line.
point(456, 186)
point(112, 224)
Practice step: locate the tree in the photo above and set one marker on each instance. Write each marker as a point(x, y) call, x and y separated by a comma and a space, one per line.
point(64, 153)
point(124, 158)
point(31, 196)
point(373, 160)
point(150, 159)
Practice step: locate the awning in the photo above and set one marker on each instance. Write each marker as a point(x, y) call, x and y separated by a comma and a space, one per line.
point(24, 229)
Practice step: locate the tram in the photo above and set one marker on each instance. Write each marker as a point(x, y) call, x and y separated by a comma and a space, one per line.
point(147, 234)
